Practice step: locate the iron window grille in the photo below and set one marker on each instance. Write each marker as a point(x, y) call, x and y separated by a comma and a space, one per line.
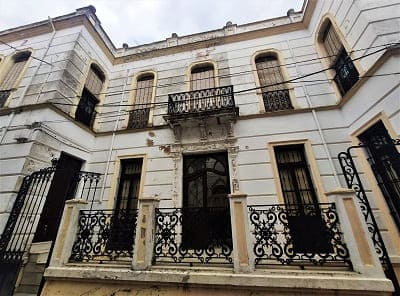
point(86, 110)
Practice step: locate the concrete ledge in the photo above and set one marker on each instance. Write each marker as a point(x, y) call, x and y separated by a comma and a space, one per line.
point(320, 280)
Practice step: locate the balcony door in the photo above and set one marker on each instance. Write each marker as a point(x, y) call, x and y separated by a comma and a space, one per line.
point(124, 219)
point(384, 159)
point(206, 216)
point(307, 229)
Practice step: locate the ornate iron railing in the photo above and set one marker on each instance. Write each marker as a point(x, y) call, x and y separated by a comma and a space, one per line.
point(25, 214)
point(104, 235)
point(205, 100)
point(86, 185)
point(277, 100)
point(193, 235)
point(354, 182)
point(138, 118)
point(297, 235)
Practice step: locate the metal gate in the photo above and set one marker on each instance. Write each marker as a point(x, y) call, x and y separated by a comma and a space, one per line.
point(353, 181)
point(21, 225)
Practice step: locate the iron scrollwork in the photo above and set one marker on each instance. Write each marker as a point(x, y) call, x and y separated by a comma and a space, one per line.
point(104, 235)
point(353, 181)
point(174, 243)
point(276, 240)
point(212, 99)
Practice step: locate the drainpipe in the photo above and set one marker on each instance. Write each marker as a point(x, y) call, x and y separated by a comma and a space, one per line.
point(116, 126)
point(315, 117)
point(6, 128)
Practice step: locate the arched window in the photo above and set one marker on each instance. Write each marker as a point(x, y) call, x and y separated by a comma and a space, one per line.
point(274, 91)
point(202, 77)
point(139, 115)
point(9, 80)
point(86, 110)
point(346, 74)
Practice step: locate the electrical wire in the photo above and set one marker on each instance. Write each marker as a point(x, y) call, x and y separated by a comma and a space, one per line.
point(110, 93)
point(236, 92)
point(386, 46)
point(33, 57)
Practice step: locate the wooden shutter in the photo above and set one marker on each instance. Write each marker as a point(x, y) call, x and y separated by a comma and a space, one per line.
point(19, 61)
point(144, 92)
point(94, 81)
point(269, 73)
point(202, 78)
point(332, 43)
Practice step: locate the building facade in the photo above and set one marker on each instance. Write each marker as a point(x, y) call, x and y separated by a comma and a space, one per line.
point(256, 159)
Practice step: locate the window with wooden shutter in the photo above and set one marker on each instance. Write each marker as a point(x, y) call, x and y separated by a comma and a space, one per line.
point(273, 87)
point(8, 83)
point(86, 110)
point(203, 77)
point(139, 115)
point(346, 74)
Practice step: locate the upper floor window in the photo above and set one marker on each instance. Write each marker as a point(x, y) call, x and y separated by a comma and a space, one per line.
point(274, 90)
point(9, 80)
point(86, 110)
point(346, 74)
point(202, 77)
point(139, 115)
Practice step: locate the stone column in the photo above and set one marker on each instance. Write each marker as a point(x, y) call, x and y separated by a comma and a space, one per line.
point(355, 233)
point(243, 259)
point(144, 239)
point(67, 232)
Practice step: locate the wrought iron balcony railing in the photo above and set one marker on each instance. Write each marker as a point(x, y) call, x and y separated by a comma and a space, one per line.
point(297, 235)
point(206, 100)
point(277, 100)
point(138, 118)
point(193, 235)
point(104, 235)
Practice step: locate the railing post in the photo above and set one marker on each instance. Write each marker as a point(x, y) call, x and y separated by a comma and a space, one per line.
point(356, 236)
point(144, 239)
point(243, 260)
point(67, 231)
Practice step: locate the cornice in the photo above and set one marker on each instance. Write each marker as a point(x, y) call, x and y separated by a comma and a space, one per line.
point(86, 17)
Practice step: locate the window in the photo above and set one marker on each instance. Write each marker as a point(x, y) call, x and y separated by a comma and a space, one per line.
point(306, 226)
point(86, 110)
point(7, 84)
point(274, 91)
point(202, 77)
point(124, 219)
point(346, 74)
point(384, 160)
point(206, 216)
point(139, 115)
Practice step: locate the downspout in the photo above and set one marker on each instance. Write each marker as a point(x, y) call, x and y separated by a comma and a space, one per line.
point(116, 126)
point(315, 117)
point(6, 128)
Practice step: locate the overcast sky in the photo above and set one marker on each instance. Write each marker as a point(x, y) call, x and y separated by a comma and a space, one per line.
point(143, 21)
